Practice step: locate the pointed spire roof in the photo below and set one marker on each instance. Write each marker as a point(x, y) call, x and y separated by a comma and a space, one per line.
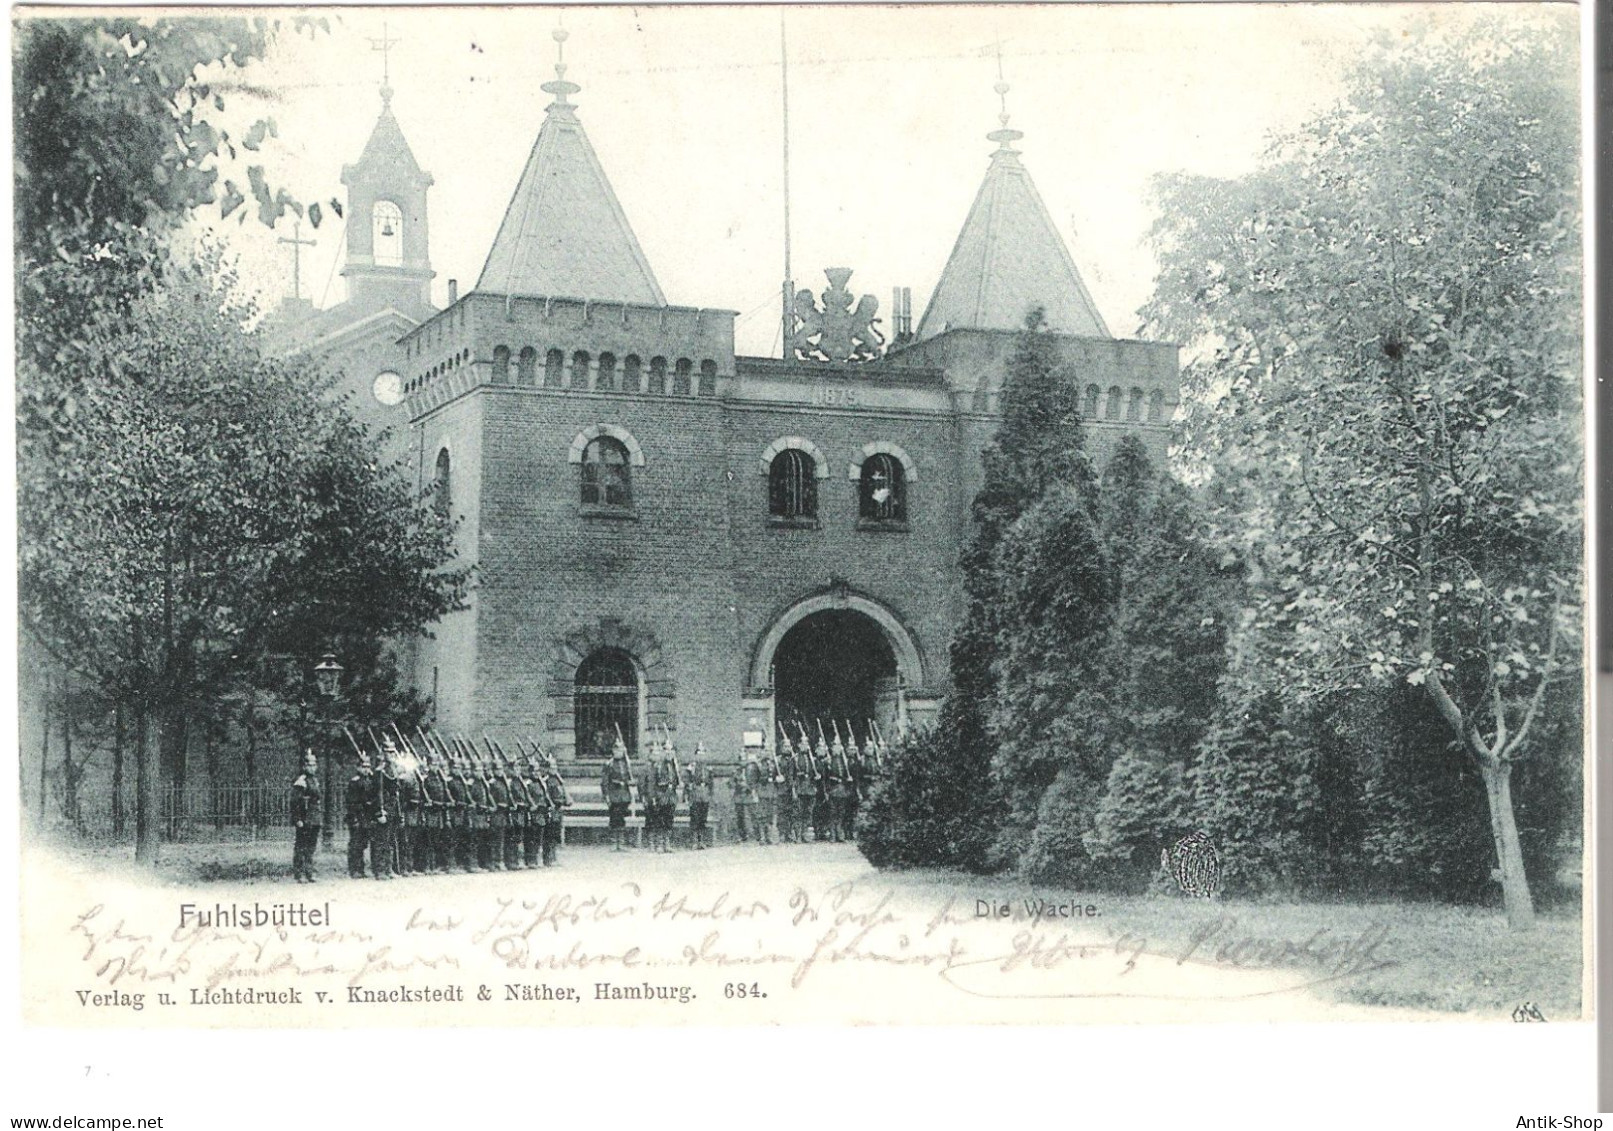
point(564, 233)
point(387, 147)
point(1009, 257)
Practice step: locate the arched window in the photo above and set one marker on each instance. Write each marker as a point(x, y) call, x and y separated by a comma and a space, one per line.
point(605, 702)
point(1156, 405)
point(681, 377)
point(1113, 409)
point(501, 365)
point(657, 375)
point(443, 484)
point(708, 378)
point(386, 226)
point(630, 373)
point(1134, 410)
point(526, 367)
point(882, 491)
point(792, 485)
point(579, 369)
point(607, 372)
point(607, 478)
point(554, 369)
point(1089, 406)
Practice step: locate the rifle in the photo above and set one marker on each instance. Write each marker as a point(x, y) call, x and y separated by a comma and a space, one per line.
point(677, 770)
point(357, 749)
point(627, 758)
point(380, 783)
point(806, 745)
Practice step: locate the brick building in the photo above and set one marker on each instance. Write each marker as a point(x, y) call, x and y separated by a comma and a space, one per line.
point(672, 535)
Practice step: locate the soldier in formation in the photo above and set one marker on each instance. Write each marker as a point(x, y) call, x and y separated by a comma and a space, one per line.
point(697, 785)
point(616, 786)
point(359, 792)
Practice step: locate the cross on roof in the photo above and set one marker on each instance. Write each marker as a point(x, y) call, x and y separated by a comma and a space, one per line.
point(384, 45)
point(297, 244)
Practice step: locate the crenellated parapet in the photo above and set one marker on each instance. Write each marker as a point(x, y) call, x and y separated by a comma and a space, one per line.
point(565, 344)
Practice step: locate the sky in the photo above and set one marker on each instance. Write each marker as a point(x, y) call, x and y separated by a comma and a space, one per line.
point(889, 108)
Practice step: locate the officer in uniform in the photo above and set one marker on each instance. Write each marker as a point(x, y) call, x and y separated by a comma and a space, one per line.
point(459, 826)
point(359, 789)
point(559, 800)
point(616, 785)
point(822, 824)
point(306, 816)
point(435, 805)
point(697, 787)
point(384, 815)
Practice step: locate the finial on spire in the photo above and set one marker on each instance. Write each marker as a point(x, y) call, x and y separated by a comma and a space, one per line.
point(559, 87)
point(1003, 136)
point(384, 45)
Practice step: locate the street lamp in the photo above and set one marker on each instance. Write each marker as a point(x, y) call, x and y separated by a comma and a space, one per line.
point(328, 678)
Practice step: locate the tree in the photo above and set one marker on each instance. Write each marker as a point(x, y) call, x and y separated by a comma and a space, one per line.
point(1389, 313)
point(219, 511)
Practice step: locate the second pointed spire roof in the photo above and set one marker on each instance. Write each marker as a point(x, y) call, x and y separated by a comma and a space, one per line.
point(564, 233)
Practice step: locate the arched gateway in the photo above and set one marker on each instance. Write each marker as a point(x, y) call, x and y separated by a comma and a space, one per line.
point(840, 656)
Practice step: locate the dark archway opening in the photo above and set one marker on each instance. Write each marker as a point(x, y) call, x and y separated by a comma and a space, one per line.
point(834, 665)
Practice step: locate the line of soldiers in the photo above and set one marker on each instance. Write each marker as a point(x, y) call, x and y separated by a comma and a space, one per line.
point(442, 805)
point(662, 780)
point(799, 793)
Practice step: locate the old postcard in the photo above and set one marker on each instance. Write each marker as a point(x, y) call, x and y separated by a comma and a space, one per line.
point(792, 516)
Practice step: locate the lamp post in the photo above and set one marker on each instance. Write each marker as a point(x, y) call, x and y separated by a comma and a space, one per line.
point(328, 678)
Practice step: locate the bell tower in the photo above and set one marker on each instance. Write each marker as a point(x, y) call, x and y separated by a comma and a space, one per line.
point(388, 257)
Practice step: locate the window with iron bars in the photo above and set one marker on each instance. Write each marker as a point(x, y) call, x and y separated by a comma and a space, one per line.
point(605, 702)
point(792, 485)
point(882, 495)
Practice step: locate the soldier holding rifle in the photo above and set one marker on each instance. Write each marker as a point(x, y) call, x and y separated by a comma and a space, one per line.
point(461, 836)
point(555, 786)
point(537, 812)
point(616, 785)
point(436, 801)
point(357, 805)
point(384, 813)
point(697, 786)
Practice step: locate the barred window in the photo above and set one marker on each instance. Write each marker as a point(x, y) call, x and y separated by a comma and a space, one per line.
point(605, 700)
point(882, 491)
point(606, 474)
point(792, 485)
point(444, 496)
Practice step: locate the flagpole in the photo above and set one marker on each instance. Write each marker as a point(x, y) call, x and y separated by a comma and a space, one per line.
point(785, 326)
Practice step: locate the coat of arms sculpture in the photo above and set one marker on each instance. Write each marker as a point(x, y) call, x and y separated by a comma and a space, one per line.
point(836, 332)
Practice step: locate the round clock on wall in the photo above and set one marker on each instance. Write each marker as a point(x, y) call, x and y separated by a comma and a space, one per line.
point(388, 388)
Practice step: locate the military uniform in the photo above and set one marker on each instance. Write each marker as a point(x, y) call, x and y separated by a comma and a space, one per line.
point(745, 799)
point(660, 795)
point(481, 820)
point(515, 827)
point(307, 818)
point(461, 836)
point(616, 786)
point(383, 822)
point(698, 787)
point(769, 778)
point(537, 816)
point(359, 788)
point(436, 803)
point(822, 823)
point(411, 823)
point(840, 791)
point(559, 799)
